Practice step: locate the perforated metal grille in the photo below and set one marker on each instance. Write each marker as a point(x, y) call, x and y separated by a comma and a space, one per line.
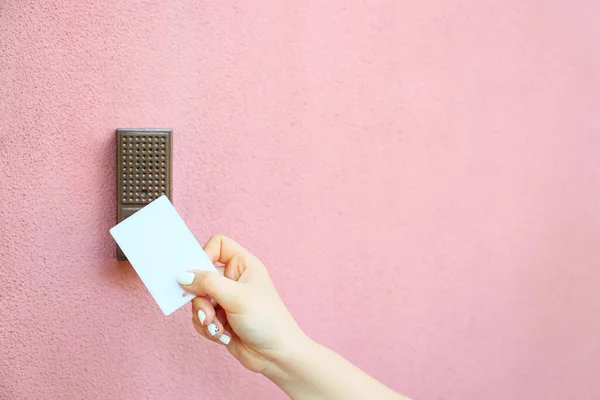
point(144, 167)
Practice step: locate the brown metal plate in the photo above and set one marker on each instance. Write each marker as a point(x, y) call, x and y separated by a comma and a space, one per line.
point(144, 170)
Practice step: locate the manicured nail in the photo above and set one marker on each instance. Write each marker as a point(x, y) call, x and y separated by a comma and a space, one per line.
point(213, 330)
point(201, 316)
point(186, 278)
point(225, 339)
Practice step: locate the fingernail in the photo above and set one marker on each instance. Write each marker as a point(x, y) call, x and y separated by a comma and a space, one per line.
point(213, 330)
point(201, 316)
point(225, 339)
point(185, 278)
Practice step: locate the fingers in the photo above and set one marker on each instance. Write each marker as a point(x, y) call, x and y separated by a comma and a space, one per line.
point(206, 323)
point(212, 285)
point(221, 315)
point(220, 248)
point(203, 309)
point(223, 338)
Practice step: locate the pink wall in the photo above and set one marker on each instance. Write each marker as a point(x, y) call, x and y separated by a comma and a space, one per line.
point(421, 177)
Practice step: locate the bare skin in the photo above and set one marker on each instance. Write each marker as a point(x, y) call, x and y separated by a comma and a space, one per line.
point(248, 316)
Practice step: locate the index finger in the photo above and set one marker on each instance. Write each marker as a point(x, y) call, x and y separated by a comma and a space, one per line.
point(222, 249)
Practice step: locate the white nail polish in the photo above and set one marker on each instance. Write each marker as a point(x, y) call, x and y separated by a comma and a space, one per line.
point(213, 330)
point(201, 316)
point(186, 278)
point(225, 339)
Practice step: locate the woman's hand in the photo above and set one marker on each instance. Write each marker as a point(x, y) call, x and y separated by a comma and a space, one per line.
point(246, 313)
point(242, 310)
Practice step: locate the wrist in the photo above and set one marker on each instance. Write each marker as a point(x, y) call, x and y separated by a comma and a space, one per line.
point(287, 364)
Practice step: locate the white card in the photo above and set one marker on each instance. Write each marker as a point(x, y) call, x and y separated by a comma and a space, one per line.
point(159, 245)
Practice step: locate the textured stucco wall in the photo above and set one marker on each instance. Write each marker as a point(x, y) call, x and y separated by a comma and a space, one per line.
point(421, 177)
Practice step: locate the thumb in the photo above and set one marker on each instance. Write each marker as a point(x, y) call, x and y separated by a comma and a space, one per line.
point(211, 284)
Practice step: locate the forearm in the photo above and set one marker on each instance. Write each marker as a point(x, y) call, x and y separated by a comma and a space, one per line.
point(312, 371)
